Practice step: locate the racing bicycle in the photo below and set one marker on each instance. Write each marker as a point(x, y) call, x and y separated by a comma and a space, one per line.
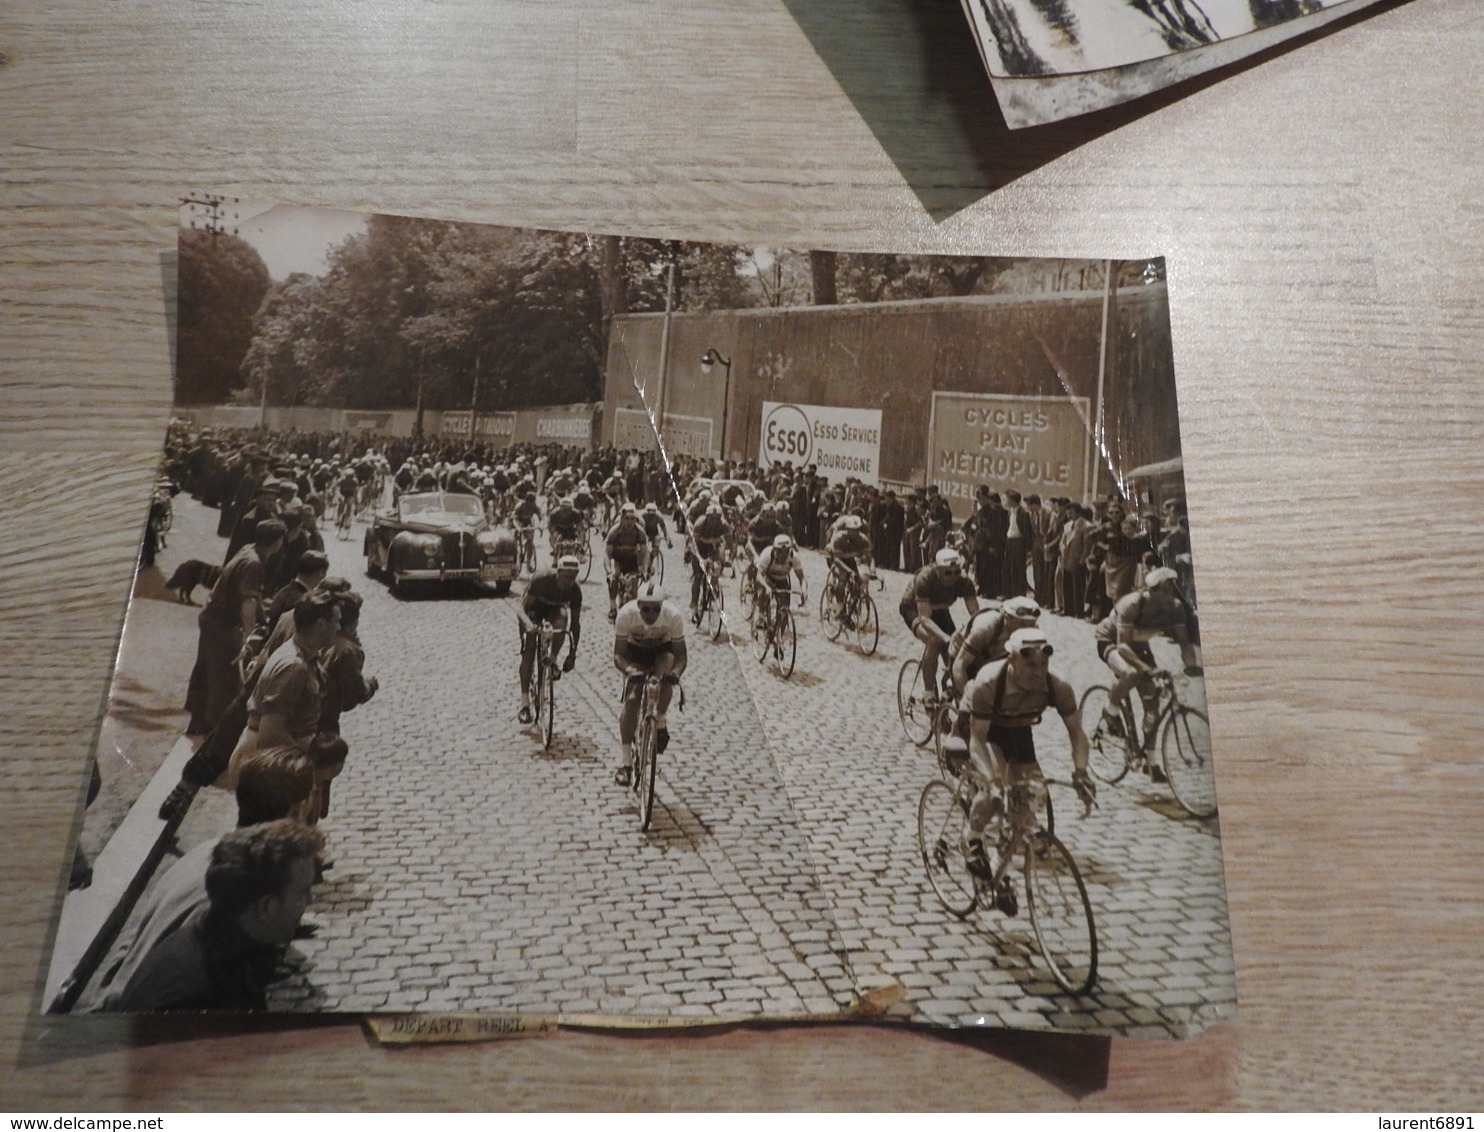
point(525, 549)
point(544, 675)
point(1014, 841)
point(580, 547)
point(344, 514)
point(1180, 733)
point(644, 766)
point(710, 612)
point(846, 605)
point(773, 631)
point(656, 561)
point(921, 715)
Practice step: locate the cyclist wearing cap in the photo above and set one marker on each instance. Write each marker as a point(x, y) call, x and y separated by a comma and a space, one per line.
point(709, 534)
point(1123, 642)
point(527, 510)
point(983, 638)
point(555, 597)
point(698, 506)
point(925, 608)
point(648, 640)
point(585, 501)
point(627, 550)
point(785, 518)
point(848, 544)
point(773, 567)
point(561, 484)
point(1003, 703)
point(564, 522)
point(654, 527)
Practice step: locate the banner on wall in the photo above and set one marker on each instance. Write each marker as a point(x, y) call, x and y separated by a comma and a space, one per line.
point(687, 436)
point(1026, 444)
point(631, 429)
point(367, 422)
point(838, 442)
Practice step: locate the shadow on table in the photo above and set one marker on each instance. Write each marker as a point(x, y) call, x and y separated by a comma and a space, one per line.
point(912, 70)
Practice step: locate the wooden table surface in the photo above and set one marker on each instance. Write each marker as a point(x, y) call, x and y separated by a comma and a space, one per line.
point(1322, 216)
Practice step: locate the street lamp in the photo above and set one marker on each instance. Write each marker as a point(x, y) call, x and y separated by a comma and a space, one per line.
point(709, 361)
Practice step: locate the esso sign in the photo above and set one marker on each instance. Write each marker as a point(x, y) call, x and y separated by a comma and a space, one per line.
point(787, 436)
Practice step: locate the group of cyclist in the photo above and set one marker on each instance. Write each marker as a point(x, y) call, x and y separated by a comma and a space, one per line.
point(649, 632)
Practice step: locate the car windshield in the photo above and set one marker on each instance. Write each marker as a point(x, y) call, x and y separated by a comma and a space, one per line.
point(436, 503)
point(742, 490)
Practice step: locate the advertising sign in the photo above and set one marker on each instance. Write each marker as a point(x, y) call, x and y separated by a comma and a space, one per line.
point(496, 425)
point(1025, 444)
point(454, 423)
point(631, 429)
point(567, 428)
point(368, 422)
point(687, 436)
point(838, 442)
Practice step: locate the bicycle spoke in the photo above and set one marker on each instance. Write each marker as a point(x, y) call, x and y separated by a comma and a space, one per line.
point(911, 710)
point(1061, 914)
point(1185, 749)
point(867, 624)
point(942, 829)
point(1107, 754)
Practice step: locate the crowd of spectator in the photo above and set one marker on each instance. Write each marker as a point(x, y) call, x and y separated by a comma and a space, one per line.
point(279, 660)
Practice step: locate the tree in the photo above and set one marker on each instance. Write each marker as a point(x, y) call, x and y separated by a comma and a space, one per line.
point(822, 270)
point(222, 282)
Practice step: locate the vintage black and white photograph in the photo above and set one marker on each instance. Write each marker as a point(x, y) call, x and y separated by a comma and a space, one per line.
point(626, 631)
point(1051, 59)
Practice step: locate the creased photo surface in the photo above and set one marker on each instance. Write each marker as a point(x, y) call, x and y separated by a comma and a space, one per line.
point(603, 629)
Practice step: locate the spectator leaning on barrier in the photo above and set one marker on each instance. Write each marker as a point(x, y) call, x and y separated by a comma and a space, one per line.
point(227, 620)
point(212, 940)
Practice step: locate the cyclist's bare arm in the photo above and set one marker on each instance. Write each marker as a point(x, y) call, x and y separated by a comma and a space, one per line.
point(925, 623)
point(621, 659)
point(1078, 737)
point(986, 757)
point(966, 656)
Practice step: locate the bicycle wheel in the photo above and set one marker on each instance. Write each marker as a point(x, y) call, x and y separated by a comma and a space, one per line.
point(586, 554)
point(1107, 755)
point(867, 624)
point(716, 608)
point(1185, 748)
point(786, 643)
point(747, 591)
point(830, 611)
point(917, 720)
point(538, 691)
point(657, 565)
point(1061, 914)
point(645, 775)
point(762, 638)
point(547, 717)
point(942, 830)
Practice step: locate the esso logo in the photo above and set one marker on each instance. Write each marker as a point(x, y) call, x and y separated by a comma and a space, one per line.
point(786, 436)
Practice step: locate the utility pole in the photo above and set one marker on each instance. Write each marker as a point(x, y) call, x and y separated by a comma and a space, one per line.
point(474, 401)
point(212, 212)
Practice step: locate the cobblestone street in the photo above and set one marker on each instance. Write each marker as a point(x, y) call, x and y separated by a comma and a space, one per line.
point(475, 871)
point(1153, 873)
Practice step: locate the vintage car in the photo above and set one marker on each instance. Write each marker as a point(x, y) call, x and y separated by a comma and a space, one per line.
point(734, 493)
point(439, 536)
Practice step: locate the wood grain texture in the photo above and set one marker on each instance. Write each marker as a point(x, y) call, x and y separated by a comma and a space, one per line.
point(1322, 219)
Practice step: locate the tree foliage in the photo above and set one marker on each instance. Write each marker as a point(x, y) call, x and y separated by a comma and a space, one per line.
point(448, 316)
point(222, 282)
